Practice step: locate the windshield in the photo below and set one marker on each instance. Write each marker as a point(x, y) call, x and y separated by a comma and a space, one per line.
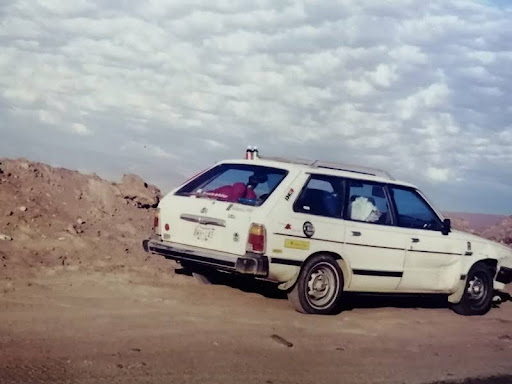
point(235, 183)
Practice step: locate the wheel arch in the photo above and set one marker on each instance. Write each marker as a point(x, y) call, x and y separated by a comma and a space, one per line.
point(490, 262)
point(345, 269)
point(456, 296)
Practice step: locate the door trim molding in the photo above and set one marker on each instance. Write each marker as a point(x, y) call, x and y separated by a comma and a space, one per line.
point(367, 272)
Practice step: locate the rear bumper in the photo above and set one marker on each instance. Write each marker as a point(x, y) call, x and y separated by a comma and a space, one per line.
point(504, 275)
point(249, 264)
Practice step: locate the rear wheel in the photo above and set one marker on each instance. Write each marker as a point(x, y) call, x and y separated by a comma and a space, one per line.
point(203, 278)
point(319, 287)
point(478, 292)
point(203, 275)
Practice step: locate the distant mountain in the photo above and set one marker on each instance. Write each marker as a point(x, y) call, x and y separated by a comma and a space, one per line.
point(476, 221)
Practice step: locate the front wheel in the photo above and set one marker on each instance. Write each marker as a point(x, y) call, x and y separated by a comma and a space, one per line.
point(319, 287)
point(478, 292)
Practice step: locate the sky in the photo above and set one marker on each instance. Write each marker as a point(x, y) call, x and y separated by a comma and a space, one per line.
point(164, 89)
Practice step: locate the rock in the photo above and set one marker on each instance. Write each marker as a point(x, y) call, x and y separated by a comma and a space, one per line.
point(282, 341)
point(99, 191)
point(10, 213)
point(23, 208)
point(5, 237)
point(80, 221)
point(71, 229)
point(61, 238)
point(134, 188)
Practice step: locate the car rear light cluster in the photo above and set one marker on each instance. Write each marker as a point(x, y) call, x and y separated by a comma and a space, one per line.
point(156, 222)
point(252, 153)
point(257, 240)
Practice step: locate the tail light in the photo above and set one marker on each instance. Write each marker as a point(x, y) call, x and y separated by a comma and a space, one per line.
point(257, 239)
point(156, 224)
point(249, 153)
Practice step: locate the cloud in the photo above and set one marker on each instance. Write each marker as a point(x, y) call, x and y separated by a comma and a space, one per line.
point(80, 129)
point(438, 174)
point(419, 88)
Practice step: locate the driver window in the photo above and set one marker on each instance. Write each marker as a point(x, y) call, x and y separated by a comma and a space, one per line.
point(413, 211)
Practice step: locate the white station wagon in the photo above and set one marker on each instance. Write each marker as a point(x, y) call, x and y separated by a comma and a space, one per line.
point(320, 229)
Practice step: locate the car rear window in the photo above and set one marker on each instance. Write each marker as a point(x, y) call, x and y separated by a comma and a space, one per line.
point(237, 183)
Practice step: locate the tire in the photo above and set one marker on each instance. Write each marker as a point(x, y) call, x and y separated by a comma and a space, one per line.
point(203, 275)
point(203, 278)
point(318, 288)
point(478, 292)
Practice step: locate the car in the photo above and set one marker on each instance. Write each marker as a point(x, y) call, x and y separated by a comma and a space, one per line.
point(320, 229)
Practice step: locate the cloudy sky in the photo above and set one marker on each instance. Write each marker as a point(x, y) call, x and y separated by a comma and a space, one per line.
point(166, 88)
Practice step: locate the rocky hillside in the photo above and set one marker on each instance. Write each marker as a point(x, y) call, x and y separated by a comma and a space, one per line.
point(501, 232)
point(51, 217)
point(461, 224)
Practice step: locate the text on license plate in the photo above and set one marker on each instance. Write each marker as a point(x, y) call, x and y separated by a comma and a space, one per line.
point(203, 233)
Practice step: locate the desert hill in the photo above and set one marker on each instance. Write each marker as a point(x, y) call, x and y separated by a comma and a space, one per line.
point(476, 221)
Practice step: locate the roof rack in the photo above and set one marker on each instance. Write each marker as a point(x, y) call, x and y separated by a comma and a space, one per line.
point(289, 161)
point(332, 165)
point(353, 168)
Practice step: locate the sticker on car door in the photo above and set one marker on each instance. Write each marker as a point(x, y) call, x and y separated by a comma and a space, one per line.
point(296, 244)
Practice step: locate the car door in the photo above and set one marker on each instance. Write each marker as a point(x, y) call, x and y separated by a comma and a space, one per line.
point(432, 259)
point(312, 222)
point(374, 247)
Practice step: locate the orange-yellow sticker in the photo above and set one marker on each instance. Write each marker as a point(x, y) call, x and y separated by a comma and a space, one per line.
point(296, 244)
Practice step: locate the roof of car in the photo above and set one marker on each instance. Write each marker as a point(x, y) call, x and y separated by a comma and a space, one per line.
point(327, 168)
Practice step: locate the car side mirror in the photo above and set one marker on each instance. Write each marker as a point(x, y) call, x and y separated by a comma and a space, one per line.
point(447, 227)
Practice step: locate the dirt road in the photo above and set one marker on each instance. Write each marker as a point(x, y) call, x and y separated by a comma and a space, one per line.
point(76, 327)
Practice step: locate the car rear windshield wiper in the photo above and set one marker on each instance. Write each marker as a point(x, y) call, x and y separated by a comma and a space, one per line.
point(207, 195)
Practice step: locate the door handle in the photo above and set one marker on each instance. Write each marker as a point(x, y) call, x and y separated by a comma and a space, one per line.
point(356, 233)
point(415, 240)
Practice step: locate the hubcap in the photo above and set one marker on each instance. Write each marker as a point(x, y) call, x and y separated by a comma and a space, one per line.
point(476, 288)
point(323, 285)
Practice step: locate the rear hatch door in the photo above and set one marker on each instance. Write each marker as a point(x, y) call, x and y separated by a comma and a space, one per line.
point(214, 209)
point(207, 223)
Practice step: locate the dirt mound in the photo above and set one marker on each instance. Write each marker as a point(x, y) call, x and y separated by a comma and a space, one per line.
point(52, 217)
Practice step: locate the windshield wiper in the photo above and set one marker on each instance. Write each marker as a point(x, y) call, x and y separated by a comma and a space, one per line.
point(209, 195)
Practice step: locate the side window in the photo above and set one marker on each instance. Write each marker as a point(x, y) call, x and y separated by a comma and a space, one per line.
point(322, 196)
point(367, 202)
point(413, 211)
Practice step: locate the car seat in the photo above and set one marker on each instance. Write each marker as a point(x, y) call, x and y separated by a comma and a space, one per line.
point(321, 202)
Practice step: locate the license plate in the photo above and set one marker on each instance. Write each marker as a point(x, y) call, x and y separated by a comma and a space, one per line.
point(203, 233)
